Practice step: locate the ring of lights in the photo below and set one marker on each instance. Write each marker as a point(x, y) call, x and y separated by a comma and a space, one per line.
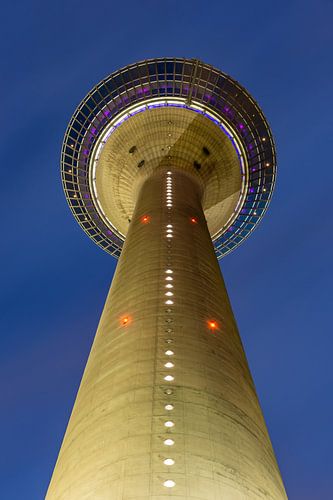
point(169, 82)
point(119, 119)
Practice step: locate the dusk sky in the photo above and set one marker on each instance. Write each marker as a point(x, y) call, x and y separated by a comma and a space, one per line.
point(55, 279)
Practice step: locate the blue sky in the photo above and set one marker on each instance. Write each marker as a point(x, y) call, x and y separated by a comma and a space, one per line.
point(54, 279)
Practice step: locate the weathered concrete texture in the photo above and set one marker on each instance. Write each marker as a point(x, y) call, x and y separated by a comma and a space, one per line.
point(114, 444)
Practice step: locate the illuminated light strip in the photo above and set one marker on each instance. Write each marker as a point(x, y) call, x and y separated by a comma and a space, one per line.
point(169, 442)
point(169, 424)
point(169, 483)
point(168, 461)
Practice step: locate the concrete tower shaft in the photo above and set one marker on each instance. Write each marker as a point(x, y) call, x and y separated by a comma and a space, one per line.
point(167, 406)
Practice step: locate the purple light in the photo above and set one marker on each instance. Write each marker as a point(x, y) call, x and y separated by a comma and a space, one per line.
point(241, 126)
point(86, 195)
point(254, 169)
point(109, 232)
point(250, 147)
point(251, 190)
point(207, 97)
point(244, 211)
point(86, 152)
point(106, 112)
point(231, 228)
point(92, 130)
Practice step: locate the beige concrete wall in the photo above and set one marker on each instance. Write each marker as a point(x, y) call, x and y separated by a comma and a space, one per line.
point(114, 444)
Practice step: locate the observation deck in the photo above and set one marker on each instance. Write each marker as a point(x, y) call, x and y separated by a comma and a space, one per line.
point(169, 112)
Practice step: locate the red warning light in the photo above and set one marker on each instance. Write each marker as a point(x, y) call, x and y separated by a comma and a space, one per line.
point(145, 219)
point(125, 321)
point(194, 220)
point(212, 325)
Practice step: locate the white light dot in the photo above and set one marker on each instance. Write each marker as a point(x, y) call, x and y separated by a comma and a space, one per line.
point(169, 483)
point(169, 378)
point(168, 286)
point(169, 302)
point(169, 294)
point(169, 271)
point(169, 352)
point(168, 278)
point(169, 365)
point(169, 225)
point(168, 461)
point(169, 423)
point(169, 236)
point(169, 442)
point(169, 230)
point(168, 407)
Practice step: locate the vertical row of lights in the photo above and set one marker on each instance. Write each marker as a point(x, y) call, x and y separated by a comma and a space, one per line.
point(168, 287)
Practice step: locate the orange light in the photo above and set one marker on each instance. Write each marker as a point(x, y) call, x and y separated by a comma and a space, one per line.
point(125, 321)
point(212, 325)
point(194, 220)
point(145, 219)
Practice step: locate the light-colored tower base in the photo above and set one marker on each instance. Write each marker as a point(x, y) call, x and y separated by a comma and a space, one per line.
point(115, 444)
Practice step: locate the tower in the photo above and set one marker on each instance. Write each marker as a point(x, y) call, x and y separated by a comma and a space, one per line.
point(168, 164)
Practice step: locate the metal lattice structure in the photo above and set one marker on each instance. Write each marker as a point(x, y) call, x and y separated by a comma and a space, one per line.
point(170, 82)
